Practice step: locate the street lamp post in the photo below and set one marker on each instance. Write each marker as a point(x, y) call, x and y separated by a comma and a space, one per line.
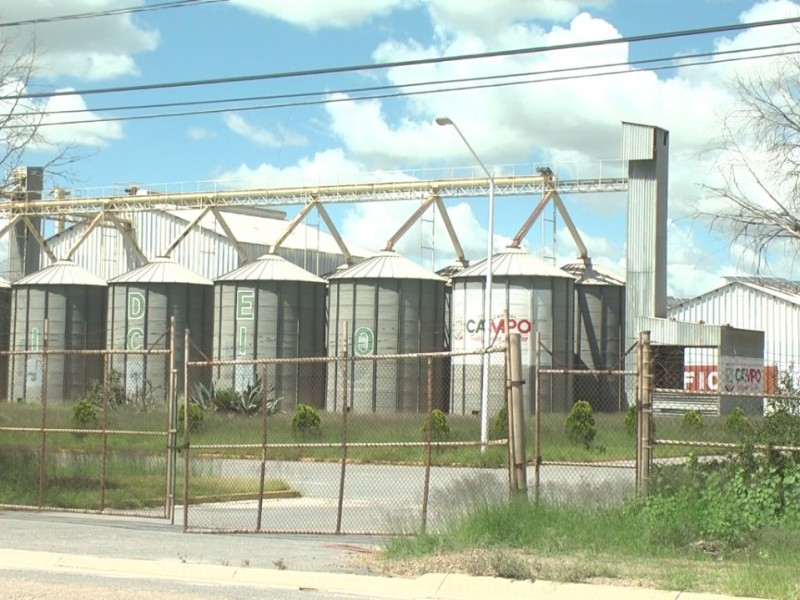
point(487, 293)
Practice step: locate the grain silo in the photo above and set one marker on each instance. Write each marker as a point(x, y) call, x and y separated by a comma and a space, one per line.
point(391, 305)
point(271, 308)
point(141, 305)
point(599, 334)
point(5, 330)
point(69, 303)
point(537, 297)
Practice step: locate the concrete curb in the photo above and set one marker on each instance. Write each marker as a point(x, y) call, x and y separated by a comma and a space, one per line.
point(429, 586)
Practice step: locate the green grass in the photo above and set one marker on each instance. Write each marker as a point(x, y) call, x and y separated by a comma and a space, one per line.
point(613, 545)
point(133, 481)
point(612, 442)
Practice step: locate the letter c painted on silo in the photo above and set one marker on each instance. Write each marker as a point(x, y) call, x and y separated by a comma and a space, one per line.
point(135, 338)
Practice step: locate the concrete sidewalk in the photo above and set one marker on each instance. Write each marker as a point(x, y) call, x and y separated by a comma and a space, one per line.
point(105, 547)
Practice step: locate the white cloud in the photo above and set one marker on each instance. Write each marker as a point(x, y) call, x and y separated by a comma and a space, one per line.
point(484, 19)
point(313, 14)
point(89, 49)
point(200, 133)
point(261, 136)
point(92, 132)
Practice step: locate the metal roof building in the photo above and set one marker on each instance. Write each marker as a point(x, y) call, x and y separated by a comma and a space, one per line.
point(766, 304)
point(206, 249)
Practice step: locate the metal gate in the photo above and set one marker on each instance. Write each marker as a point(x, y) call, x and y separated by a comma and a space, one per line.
point(89, 435)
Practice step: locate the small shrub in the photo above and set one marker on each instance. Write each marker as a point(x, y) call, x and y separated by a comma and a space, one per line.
point(195, 416)
point(630, 419)
point(580, 426)
point(440, 430)
point(737, 424)
point(84, 415)
point(226, 400)
point(499, 428)
point(692, 421)
point(305, 421)
point(780, 428)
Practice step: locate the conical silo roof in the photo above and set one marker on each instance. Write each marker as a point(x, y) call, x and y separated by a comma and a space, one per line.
point(588, 273)
point(62, 272)
point(386, 265)
point(270, 267)
point(513, 262)
point(162, 270)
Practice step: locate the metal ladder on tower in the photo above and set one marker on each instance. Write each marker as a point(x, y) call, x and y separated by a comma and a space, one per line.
point(427, 231)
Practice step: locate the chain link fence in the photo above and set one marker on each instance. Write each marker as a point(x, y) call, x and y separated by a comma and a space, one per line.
point(78, 433)
point(703, 410)
point(348, 444)
point(584, 442)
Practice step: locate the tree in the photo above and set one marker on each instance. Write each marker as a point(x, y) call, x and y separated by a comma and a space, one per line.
point(21, 117)
point(759, 163)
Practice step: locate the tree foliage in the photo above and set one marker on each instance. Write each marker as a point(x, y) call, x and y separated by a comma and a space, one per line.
point(759, 162)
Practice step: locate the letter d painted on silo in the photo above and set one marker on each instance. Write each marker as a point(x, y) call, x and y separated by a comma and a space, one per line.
point(136, 305)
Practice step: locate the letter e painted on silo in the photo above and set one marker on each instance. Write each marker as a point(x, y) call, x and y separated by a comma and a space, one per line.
point(244, 304)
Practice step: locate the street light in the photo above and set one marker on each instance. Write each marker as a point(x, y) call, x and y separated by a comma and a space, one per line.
point(487, 293)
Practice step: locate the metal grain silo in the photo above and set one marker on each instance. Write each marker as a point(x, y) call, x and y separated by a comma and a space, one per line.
point(72, 302)
point(141, 305)
point(5, 331)
point(599, 333)
point(538, 297)
point(391, 306)
point(271, 308)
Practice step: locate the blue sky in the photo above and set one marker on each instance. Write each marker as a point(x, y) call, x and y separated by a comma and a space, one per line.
point(562, 123)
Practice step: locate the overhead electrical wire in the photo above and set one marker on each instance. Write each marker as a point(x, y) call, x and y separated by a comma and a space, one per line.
point(112, 12)
point(410, 63)
point(329, 100)
point(360, 90)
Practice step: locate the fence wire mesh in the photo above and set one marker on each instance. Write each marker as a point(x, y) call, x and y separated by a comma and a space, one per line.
point(79, 435)
point(583, 436)
point(377, 444)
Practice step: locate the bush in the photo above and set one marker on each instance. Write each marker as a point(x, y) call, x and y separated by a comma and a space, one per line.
point(305, 421)
point(692, 421)
point(84, 415)
point(737, 424)
point(780, 428)
point(499, 428)
point(226, 400)
point(580, 425)
point(195, 416)
point(440, 428)
point(630, 419)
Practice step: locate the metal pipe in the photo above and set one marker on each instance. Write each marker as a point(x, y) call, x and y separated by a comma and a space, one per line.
point(345, 409)
point(487, 295)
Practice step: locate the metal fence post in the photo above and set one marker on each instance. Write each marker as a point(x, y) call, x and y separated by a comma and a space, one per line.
point(172, 423)
point(426, 489)
point(647, 412)
point(516, 420)
point(186, 435)
point(263, 472)
point(537, 418)
point(344, 431)
point(43, 445)
point(104, 464)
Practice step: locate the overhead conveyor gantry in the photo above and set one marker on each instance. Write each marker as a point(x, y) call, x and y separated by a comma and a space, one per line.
point(516, 185)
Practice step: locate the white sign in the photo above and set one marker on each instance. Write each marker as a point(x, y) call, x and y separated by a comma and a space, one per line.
point(742, 375)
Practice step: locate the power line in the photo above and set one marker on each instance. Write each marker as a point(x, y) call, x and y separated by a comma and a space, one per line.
point(110, 12)
point(361, 90)
point(329, 100)
point(409, 63)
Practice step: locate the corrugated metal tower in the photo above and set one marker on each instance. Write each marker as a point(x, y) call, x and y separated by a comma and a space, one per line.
point(538, 298)
point(23, 248)
point(73, 302)
point(141, 305)
point(391, 306)
point(599, 333)
point(271, 308)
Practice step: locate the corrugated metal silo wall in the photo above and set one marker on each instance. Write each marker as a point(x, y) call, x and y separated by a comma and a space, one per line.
point(404, 316)
point(5, 335)
point(76, 321)
point(599, 344)
point(272, 319)
point(139, 317)
point(534, 304)
point(209, 254)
